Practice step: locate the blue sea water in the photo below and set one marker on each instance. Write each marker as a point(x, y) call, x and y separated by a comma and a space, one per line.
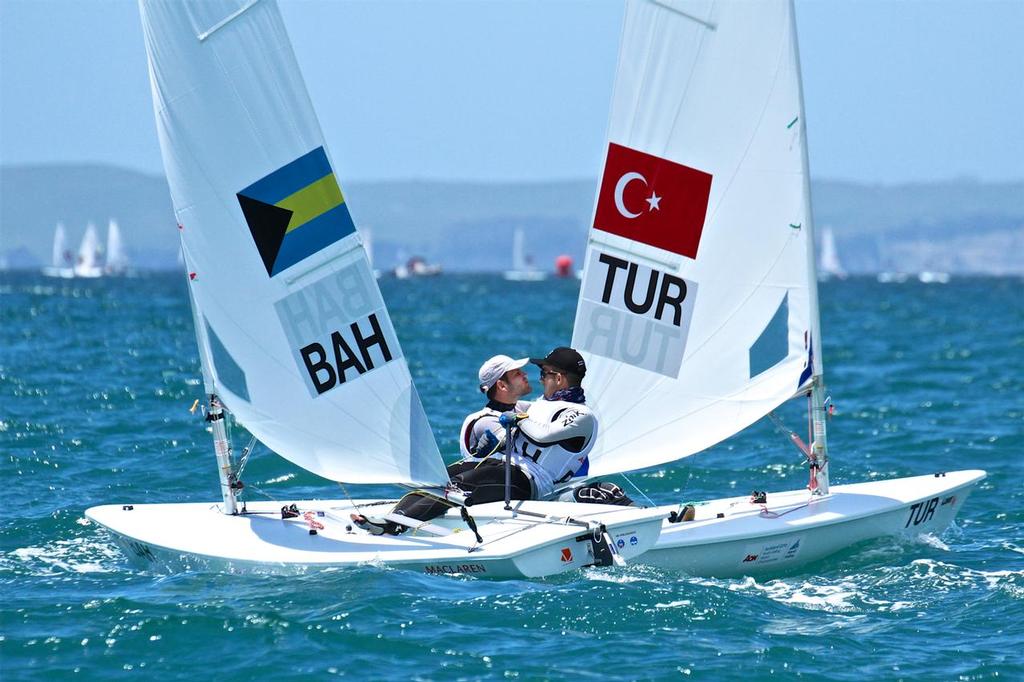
point(96, 379)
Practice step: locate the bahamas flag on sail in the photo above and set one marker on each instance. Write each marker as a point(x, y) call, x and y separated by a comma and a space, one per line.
point(295, 211)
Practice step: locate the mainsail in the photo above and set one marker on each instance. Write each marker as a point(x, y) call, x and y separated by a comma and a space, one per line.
point(293, 332)
point(59, 257)
point(698, 310)
point(89, 254)
point(117, 256)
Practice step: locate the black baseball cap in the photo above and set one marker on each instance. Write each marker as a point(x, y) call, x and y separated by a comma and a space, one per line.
point(565, 359)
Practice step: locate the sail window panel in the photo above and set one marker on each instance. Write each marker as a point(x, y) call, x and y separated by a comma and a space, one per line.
point(772, 346)
point(229, 373)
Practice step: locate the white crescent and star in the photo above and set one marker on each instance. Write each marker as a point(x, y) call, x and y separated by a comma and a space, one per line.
point(620, 188)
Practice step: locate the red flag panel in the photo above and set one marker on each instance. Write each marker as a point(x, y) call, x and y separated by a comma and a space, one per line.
point(653, 200)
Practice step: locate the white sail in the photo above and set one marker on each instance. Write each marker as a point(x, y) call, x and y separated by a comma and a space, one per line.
point(698, 309)
point(829, 264)
point(518, 250)
point(59, 257)
point(89, 254)
point(117, 256)
point(60, 260)
point(523, 269)
point(293, 331)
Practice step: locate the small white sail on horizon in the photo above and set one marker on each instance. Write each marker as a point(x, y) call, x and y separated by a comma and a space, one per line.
point(829, 265)
point(61, 261)
point(523, 269)
point(117, 262)
point(89, 255)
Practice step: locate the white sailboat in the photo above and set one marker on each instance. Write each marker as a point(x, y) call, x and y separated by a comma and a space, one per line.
point(117, 256)
point(523, 269)
point(89, 255)
point(367, 236)
point(61, 263)
point(295, 340)
point(698, 310)
point(829, 266)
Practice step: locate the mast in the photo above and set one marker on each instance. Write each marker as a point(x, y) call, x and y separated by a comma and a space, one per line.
point(819, 443)
point(215, 414)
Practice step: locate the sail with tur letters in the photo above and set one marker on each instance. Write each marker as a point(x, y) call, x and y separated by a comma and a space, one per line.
point(698, 309)
point(293, 332)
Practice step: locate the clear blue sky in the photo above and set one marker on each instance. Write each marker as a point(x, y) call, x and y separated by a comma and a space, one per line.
point(895, 91)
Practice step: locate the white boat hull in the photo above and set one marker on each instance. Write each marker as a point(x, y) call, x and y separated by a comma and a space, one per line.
point(732, 536)
point(200, 535)
point(525, 275)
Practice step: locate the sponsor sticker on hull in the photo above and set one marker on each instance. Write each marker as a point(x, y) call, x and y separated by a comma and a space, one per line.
point(452, 569)
point(771, 552)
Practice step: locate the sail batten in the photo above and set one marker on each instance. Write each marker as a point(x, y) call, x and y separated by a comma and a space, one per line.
point(294, 334)
point(695, 310)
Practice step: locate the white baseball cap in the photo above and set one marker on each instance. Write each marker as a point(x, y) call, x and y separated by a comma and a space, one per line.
point(495, 368)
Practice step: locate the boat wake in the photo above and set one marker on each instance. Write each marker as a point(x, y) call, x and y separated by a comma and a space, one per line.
point(78, 555)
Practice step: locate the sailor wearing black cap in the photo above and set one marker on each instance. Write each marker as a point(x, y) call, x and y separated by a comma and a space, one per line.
point(552, 442)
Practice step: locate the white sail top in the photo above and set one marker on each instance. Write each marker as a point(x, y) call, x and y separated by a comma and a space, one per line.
point(117, 257)
point(519, 250)
point(59, 258)
point(88, 253)
point(829, 264)
point(293, 331)
point(698, 309)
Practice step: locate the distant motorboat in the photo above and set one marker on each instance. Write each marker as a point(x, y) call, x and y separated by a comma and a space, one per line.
point(417, 267)
point(933, 277)
point(89, 255)
point(61, 261)
point(523, 269)
point(892, 277)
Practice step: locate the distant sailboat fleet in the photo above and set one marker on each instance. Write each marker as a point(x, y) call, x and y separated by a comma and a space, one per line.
point(830, 267)
point(92, 260)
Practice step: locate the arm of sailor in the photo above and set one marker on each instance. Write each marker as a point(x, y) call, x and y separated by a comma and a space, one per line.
point(481, 436)
point(564, 424)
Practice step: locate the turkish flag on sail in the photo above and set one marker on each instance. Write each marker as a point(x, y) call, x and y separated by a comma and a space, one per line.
point(652, 200)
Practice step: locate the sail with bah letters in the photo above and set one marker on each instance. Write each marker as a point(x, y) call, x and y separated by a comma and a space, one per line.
point(295, 338)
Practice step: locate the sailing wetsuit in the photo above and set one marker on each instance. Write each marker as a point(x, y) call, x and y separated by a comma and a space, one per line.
point(478, 424)
point(552, 444)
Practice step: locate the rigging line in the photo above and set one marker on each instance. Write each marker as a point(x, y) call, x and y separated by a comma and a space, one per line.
point(245, 457)
point(262, 492)
point(637, 488)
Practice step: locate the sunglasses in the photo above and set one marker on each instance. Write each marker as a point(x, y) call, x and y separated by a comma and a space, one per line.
point(549, 372)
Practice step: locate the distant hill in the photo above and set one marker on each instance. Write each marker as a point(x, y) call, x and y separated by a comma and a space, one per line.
point(961, 226)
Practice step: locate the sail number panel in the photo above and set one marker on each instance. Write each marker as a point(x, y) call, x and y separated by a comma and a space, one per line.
point(634, 313)
point(338, 328)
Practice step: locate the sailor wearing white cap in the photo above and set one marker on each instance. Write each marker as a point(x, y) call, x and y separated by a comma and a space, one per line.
point(503, 380)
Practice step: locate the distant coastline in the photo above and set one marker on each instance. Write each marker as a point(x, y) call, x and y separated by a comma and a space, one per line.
point(961, 227)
